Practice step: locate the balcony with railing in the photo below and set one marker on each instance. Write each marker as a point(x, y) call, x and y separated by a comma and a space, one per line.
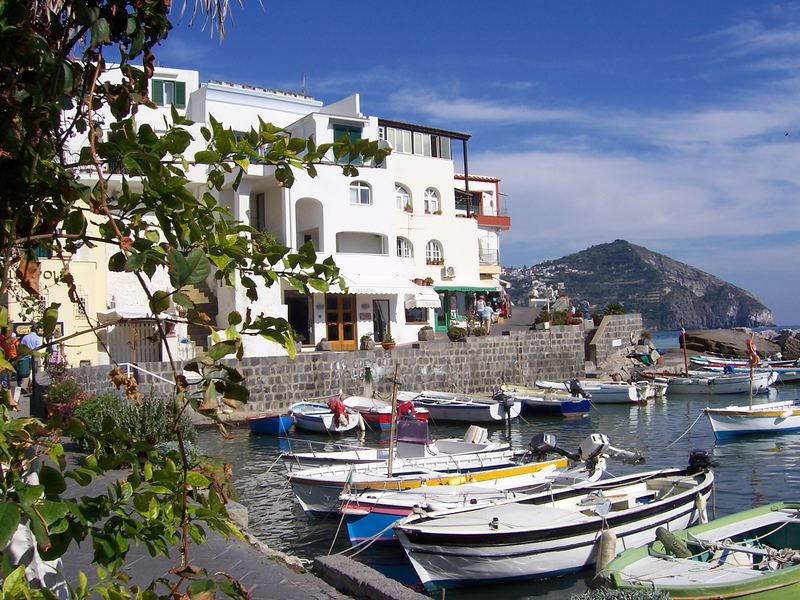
point(468, 204)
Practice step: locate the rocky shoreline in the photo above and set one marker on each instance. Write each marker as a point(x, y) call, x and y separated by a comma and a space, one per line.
point(784, 343)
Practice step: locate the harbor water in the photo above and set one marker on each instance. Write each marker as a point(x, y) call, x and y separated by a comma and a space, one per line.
point(750, 471)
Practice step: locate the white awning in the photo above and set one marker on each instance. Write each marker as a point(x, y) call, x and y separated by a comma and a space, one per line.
point(374, 285)
point(424, 297)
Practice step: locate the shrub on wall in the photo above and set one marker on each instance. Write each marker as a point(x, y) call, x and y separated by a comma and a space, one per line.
point(151, 422)
point(456, 333)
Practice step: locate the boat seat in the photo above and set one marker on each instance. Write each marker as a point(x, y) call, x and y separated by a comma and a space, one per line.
point(685, 571)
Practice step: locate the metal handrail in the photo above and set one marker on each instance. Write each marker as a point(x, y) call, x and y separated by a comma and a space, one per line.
point(130, 366)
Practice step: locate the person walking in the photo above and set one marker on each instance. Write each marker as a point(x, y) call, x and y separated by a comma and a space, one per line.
point(32, 341)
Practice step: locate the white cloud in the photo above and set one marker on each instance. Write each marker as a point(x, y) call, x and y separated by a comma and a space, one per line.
point(454, 108)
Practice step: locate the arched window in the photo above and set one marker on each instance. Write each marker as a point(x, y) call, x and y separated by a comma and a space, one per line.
point(433, 253)
point(404, 248)
point(360, 193)
point(402, 197)
point(431, 201)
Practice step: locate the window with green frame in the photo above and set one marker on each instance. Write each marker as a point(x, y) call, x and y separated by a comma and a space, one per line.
point(166, 92)
point(354, 133)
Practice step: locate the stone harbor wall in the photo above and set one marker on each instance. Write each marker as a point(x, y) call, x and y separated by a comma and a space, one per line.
point(477, 365)
point(612, 336)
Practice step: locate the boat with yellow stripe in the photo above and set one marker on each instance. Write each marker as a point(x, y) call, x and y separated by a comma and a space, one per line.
point(318, 490)
point(770, 417)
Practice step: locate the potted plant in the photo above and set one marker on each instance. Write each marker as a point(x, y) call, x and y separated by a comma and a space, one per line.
point(429, 281)
point(438, 211)
point(323, 345)
point(388, 342)
point(457, 334)
point(408, 207)
point(367, 343)
point(426, 334)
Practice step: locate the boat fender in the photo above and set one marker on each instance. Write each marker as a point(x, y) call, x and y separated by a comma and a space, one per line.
point(362, 425)
point(606, 549)
point(786, 414)
point(673, 545)
point(702, 511)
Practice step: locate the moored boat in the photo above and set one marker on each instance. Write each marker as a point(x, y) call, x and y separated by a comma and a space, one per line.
point(522, 539)
point(600, 392)
point(377, 414)
point(370, 514)
point(699, 383)
point(750, 554)
point(770, 417)
point(462, 408)
point(413, 442)
point(546, 402)
point(270, 424)
point(322, 418)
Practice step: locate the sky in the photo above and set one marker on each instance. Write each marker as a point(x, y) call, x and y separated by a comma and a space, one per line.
point(673, 125)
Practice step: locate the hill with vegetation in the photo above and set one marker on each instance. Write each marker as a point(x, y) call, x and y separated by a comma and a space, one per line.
point(668, 293)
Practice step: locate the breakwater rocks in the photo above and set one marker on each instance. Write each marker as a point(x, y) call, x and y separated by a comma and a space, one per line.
point(785, 342)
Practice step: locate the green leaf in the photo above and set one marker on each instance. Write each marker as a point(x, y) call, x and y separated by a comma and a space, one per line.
point(116, 262)
point(318, 284)
point(188, 270)
point(197, 480)
point(9, 520)
point(207, 157)
point(52, 480)
point(234, 318)
point(100, 32)
point(51, 511)
point(183, 300)
point(160, 302)
point(135, 262)
point(75, 223)
point(222, 349)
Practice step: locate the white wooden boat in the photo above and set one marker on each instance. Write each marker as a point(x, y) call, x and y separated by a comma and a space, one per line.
point(601, 392)
point(369, 514)
point(547, 402)
point(771, 417)
point(412, 442)
point(523, 539)
point(784, 374)
point(714, 360)
point(318, 489)
point(699, 383)
point(317, 417)
point(462, 408)
point(750, 554)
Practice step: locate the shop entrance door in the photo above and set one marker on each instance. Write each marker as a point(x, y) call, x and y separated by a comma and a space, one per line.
point(340, 321)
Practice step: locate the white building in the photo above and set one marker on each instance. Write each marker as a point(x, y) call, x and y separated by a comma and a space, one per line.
point(410, 218)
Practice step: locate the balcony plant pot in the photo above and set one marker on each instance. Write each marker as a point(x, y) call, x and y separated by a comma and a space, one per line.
point(323, 344)
point(426, 334)
point(388, 345)
point(367, 344)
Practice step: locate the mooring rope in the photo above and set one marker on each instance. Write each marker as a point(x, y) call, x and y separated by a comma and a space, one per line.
point(685, 432)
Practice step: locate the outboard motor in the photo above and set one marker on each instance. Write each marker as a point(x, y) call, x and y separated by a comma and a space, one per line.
point(597, 444)
point(575, 390)
point(700, 461)
point(543, 444)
